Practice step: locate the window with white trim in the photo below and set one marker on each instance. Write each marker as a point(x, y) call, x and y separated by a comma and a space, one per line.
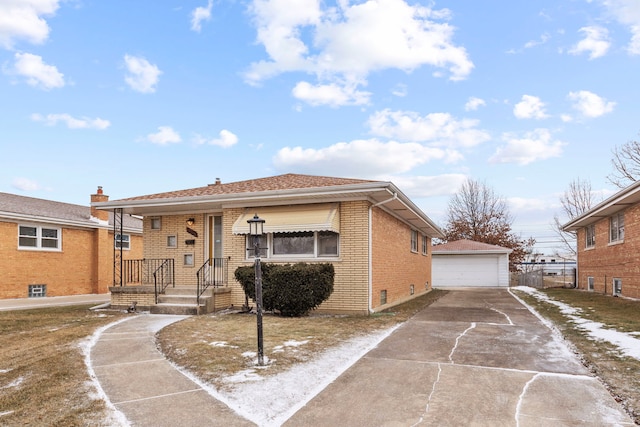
point(299, 244)
point(590, 236)
point(616, 227)
point(590, 283)
point(617, 286)
point(414, 241)
point(38, 237)
point(122, 241)
point(425, 245)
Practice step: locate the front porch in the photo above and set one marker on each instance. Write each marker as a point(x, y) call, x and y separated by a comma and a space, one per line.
point(150, 284)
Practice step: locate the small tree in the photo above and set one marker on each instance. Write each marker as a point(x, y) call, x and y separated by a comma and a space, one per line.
point(477, 213)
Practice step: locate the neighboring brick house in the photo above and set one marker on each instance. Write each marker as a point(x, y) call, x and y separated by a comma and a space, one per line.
point(50, 248)
point(608, 244)
point(377, 239)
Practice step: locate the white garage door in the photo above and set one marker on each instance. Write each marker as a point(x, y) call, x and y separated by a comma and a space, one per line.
point(465, 270)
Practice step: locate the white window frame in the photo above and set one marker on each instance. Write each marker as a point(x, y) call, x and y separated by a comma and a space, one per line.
point(267, 244)
point(39, 238)
point(590, 236)
point(175, 241)
point(125, 243)
point(425, 246)
point(617, 286)
point(616, 227)
point(590, 283)
point(414, 241)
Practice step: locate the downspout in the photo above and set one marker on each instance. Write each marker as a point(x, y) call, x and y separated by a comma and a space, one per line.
point(370, 261)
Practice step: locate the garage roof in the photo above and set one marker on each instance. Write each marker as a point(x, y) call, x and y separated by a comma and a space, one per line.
point(464, 246)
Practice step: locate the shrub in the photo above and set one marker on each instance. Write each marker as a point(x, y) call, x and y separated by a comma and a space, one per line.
point(290, 289)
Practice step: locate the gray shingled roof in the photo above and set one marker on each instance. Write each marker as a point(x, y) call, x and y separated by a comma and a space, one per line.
point(467, 246)
point(280, 182)
point(15, 206)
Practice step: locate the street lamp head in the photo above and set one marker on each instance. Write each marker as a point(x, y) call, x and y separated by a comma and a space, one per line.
point(256, 226)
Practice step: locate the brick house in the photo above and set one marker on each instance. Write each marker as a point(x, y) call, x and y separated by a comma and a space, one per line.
point(377, 239)
point(608, 245)
point(50, 248)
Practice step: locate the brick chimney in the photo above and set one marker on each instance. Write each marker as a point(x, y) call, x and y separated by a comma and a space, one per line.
point(99, 197)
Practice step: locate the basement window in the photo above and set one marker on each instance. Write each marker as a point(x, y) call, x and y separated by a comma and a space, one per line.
point(383, 297)
point(37, 291)
point(617, 286)
point(590, 283)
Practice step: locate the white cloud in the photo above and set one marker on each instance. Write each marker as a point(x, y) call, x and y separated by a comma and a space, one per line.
point(400, 90)
point(532, 147)
point(428, 186)
point(474, 103)
point(226, 139)
point(143, 76)
point(165, 135)
point(25, 184)
point(590, 105)
point(530, 107)
point(361, 158)
point(331, 94)
point(200, 14)
point(37, 73)
point(627, 12)
point(350, 40)
point(533, 43)
point(72, 122)
point(23, 20)
point(438, 129)
point(596, 42)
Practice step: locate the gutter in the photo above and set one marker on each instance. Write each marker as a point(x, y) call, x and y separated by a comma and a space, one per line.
point(370, 261)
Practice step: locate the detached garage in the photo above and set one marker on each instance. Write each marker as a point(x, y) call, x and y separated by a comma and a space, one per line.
point(465, 263)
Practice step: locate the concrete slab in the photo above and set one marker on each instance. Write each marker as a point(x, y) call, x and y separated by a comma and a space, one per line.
point(34, 303)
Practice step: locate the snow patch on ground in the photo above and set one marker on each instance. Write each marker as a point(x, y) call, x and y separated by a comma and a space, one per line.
point(269, 401)
point(626, 342)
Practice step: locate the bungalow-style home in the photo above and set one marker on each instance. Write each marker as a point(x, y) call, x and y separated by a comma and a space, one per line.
point(465, 263)
point(51, 248)
point(608, 243)
point(377, 239)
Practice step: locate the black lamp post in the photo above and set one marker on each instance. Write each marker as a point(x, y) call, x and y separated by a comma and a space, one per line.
point(256, 229)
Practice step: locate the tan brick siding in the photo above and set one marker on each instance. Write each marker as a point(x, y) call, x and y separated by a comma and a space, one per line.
point(395, 266)
point(607, 261)
point(155, 245)
point(84, 266)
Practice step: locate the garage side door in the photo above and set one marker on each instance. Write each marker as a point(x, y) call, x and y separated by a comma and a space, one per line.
point(465, 271)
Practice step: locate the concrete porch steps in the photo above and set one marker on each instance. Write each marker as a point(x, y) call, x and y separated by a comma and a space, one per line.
point(182, 300)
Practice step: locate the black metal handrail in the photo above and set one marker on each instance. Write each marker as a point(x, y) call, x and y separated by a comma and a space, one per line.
point(163, 276)
point(140, 271)
point(212, 273)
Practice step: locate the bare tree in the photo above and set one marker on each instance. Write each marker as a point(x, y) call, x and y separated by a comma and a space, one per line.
point(477, 213)
point(575, 201)
point(626, 164)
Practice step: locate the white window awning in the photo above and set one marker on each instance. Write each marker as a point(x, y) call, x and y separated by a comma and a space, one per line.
point(288, 219)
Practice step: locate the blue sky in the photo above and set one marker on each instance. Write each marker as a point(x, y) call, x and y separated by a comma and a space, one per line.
point(149, 96)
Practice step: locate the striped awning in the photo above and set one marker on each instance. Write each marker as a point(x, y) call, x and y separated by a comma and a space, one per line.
point(288, 219)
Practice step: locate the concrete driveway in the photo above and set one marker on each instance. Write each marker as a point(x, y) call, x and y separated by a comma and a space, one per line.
point(476, 357)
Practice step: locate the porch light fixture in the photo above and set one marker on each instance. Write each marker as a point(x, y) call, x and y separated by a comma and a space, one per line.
point(191, 221)
point(256, 230)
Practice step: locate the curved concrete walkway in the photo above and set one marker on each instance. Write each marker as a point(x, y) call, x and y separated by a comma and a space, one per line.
point(474, 358)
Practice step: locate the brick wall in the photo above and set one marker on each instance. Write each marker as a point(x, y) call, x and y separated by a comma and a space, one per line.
point(395, 266)
point(350, 293)
point(155, 245)
point(606, 261)
point(84, 266)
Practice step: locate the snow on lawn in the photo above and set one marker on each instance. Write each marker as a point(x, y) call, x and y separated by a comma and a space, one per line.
point(626, 342)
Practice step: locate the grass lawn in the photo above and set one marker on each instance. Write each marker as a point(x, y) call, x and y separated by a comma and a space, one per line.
point(213, 346)
point(620, 374)
point(43, 378)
